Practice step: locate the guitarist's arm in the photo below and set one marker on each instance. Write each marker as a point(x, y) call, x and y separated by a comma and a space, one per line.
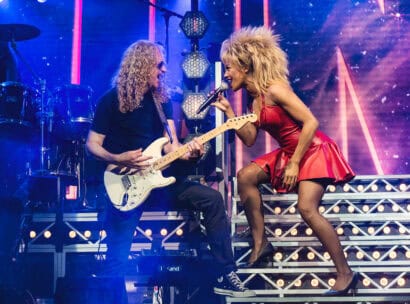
point(196, 148)
point(130, 159)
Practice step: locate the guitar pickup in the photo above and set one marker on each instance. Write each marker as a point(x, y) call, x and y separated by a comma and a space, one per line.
point(126, 182)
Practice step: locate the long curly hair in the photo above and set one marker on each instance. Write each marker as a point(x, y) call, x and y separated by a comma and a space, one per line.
point(257, 49)
point(131, 80)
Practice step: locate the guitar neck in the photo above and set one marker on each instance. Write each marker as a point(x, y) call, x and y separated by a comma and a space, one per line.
point(167, 159)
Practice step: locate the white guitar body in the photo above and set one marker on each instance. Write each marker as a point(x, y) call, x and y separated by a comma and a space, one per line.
point(128, 191)
point(128, 188)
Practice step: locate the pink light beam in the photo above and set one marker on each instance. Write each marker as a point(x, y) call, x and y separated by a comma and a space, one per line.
point(76, 48)
point(346, 82)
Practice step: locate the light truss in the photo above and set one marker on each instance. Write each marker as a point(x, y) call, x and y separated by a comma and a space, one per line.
point(371, 214)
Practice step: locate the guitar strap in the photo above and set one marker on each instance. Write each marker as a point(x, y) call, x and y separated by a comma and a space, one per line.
point(161, 114)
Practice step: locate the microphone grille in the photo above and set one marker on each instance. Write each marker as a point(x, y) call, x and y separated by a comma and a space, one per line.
point(224, 86)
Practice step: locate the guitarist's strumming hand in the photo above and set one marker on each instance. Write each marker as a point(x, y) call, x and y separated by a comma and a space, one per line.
point(134, 159)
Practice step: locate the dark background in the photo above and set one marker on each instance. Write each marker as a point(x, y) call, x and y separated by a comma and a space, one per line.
point(374, 45)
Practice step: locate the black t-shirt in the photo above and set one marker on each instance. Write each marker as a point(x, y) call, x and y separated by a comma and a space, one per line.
point(131, 130)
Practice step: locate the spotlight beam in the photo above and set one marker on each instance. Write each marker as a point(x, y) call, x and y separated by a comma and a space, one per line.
point(347, 81)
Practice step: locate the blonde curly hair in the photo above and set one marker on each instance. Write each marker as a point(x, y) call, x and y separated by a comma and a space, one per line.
point(131, 80)
point(257, 49)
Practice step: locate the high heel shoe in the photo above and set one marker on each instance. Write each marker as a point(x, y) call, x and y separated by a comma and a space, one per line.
point(343, 292)
point(266, 250)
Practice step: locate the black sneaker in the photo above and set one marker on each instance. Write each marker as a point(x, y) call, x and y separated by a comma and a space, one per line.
point(231, 285)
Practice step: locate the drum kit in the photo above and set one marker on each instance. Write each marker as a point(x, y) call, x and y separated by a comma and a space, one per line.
point(53, 124)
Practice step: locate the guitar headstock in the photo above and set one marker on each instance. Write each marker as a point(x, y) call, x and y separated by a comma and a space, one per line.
point(238, 122)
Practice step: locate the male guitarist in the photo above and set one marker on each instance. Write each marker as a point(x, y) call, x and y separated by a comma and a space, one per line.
point(126, 122)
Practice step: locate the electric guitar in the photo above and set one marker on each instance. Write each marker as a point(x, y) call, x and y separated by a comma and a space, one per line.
point(128, 188)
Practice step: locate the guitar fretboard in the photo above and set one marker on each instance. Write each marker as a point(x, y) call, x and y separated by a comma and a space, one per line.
point(172, 156)
point(232, 123)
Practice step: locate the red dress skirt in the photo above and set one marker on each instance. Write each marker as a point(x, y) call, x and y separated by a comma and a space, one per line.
point(322, 160)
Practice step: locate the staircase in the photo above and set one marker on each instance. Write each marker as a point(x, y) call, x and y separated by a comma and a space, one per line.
point(371, 215)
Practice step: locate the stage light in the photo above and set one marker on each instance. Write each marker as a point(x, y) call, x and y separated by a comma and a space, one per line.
point(370, 230)
point(388, 187)
point(314, 282)
point(179, 232)
point(326, 255)
point(195, 65)
point(103, 234)
point(403, 187)
point(376, 254)
point(360, 188)
point(32, 234)
point(163, 232)
point(395, 208)
point(191, 103)
point(336, 209)
point(331, 282)
point(292, 210)
point(350, 209)
point(374, 188)
point(346, 188)
point(298, 283)
point(47, 234)
point(280, 283)
point(72, 234)
point(384, 281)
point(148, 232)
point(402, 230)
point(277, 210)
point(407, 254)
point(294, 232)
point(278, 256)
point(359, 255)
point(194, 24)
point(386, 230)
point(366, 282)
point(355, 230)
point(340, 231)
point(380, 208)
point(401, 282)
point(310, 256)
point(322, 209)
point(87, 233)
point(295, 256)
point(308, 231)
point(365, 208)
point(331, 188)
point(392, 255)
point(408, 207)
point(278, 232)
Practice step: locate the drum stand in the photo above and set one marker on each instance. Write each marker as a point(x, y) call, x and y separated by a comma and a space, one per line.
point(42, 115)
point(45, 115)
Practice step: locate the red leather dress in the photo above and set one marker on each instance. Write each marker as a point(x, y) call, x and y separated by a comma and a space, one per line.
point(323, 159)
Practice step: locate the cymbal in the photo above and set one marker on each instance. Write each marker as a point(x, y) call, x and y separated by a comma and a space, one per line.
point(17, 32)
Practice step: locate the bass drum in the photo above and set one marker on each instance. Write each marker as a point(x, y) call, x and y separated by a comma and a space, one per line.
point(73, 112)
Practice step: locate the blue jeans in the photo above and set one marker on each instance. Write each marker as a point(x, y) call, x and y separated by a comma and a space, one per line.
point(120, 226)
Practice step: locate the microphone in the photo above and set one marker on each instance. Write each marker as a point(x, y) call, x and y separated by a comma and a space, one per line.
point(223, 87)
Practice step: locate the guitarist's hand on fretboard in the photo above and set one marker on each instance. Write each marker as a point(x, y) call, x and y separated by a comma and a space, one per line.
point(195, 150)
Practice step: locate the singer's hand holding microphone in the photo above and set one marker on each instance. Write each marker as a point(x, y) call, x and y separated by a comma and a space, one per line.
point(214, 96)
